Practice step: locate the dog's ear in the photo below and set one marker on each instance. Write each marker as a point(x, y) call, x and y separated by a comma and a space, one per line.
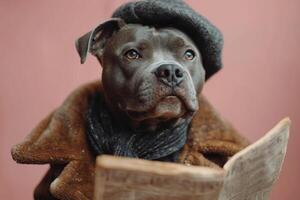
point(95, 40)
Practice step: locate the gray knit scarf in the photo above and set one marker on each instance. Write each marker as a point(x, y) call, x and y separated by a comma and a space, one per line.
point(105, 136)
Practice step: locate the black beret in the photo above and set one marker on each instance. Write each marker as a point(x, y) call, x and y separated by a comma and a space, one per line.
point(177, 14)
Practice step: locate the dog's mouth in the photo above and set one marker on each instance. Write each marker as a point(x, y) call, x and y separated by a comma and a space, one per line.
point(166, 108)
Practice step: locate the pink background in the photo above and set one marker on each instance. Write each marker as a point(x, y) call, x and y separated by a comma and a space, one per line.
point(39, 67)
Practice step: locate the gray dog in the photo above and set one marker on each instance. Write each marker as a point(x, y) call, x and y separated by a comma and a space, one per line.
point(156, 56)
point(151, 78)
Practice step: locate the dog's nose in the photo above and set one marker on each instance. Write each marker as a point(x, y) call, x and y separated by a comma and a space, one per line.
point(170, 74)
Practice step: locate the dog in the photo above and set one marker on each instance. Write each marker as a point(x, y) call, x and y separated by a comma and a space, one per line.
point(147, 105)
point(151, 79)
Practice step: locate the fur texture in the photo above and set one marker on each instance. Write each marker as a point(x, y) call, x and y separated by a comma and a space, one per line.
point(60, 140)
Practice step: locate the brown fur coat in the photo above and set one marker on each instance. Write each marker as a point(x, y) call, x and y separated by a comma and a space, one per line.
point(60, 140)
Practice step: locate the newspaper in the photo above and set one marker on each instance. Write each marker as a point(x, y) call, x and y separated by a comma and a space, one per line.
point(250, 174)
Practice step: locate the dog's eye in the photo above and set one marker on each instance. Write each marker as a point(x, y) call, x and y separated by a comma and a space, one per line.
point(189, 54)
point(132, 54)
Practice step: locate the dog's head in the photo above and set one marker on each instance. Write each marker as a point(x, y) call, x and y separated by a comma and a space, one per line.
point(153, 74)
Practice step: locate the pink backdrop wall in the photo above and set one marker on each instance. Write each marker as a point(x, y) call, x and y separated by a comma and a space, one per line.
point(39, 67)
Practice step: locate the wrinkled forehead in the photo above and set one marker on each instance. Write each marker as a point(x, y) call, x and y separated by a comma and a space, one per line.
point(140, 35)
